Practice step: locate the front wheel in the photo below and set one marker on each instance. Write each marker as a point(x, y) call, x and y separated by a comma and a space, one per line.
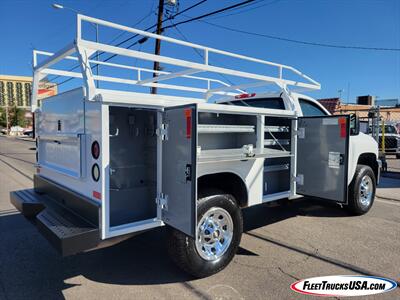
point(398, 156)
point(218, 233)
point(362, 190)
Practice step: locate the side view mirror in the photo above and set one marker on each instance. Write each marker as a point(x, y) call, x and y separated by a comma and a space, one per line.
point(354, 124)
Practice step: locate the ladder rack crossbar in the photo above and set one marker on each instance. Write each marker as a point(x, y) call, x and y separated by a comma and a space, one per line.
point(139, 70)
point(85, 49)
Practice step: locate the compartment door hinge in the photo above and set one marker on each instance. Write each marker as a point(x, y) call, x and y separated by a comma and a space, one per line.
point(299, 179)
point(162, 201)
point(301, 132)
point(163, 131)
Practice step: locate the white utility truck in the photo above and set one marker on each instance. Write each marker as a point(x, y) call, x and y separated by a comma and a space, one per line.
point(111, 163)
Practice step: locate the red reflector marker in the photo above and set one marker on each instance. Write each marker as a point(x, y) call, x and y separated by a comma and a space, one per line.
point(343, 127)
point(188, 115)
point(97, 195)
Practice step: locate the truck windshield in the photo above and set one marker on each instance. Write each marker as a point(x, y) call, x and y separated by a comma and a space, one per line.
point(388, 129)
point(274, 103)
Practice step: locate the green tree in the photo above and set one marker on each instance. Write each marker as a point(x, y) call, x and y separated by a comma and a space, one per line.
point(17, 116)
point(3, 117)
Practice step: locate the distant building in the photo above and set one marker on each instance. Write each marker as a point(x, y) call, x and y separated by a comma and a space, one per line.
point(331, 104)
point(387, 102)
point(17, 90)
point(390, 114)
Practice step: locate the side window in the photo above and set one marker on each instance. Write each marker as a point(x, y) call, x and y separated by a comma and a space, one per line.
point(310, 109)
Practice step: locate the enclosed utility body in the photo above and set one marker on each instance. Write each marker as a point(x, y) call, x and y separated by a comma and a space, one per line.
point(112, 163)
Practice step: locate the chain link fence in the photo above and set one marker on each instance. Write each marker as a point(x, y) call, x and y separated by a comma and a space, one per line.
point(383, 124)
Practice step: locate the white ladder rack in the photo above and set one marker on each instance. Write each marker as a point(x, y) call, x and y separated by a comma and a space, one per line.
point(85, 49)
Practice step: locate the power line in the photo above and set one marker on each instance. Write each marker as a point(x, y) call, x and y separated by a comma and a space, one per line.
point(211, 13)
point(179, 23)
point(151, 27)
point(130, 38)
point(299, 41)
point(111, 41)
point(137, 23)
point(246, 5)
point(244, 10)
point(198, 52)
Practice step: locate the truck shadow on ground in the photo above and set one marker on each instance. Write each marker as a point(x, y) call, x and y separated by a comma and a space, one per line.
point(31, 268)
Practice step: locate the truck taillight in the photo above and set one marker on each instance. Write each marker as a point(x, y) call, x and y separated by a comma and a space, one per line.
point(243, 96)
point(95, 150)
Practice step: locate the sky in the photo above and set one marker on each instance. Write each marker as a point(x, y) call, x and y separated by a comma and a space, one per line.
point(34, 24)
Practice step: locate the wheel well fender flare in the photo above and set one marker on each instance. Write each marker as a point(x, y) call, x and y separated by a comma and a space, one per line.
point(369, 159)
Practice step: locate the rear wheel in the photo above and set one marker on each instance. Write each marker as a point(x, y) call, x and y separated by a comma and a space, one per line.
point(362, 190)
point(218, 233)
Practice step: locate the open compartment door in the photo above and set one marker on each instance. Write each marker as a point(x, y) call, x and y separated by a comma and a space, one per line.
point(178, 197)
point(322, 157)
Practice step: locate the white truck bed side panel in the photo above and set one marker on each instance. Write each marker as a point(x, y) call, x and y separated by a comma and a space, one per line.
point(91, 130)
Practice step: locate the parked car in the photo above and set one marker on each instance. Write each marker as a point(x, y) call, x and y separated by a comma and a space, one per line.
point(28, 133)
point(392, 140)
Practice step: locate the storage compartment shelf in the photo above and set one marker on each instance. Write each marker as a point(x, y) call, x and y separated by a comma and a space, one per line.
point(215, 128)
point(271, 128)
point(237, 154)
point(275, 168)
point(272, 142)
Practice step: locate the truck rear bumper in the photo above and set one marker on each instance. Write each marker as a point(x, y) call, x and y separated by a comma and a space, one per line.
point(67, 230)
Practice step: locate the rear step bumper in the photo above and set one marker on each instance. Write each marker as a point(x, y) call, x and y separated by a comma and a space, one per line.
point(67, 231)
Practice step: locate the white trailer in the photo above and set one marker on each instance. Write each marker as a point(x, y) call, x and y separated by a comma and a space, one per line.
point(111, 163)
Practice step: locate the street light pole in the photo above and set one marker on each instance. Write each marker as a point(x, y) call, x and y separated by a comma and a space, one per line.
point(96, 26)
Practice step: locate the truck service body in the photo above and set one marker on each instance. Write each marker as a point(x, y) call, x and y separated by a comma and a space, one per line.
point(111, 164)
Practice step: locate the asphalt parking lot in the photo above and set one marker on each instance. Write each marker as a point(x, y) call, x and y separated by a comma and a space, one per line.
point(393, 163)
point(280, 245)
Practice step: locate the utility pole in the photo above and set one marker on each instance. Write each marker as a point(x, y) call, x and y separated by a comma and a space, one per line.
point(156, 66)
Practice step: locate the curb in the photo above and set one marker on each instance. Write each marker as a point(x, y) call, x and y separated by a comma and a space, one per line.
point(391, 174)
point(25, 139)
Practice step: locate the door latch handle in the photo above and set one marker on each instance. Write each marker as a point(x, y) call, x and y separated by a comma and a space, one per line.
point(188, 172)
point(341, 162)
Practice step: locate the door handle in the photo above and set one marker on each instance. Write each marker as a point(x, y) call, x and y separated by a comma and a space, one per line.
point(188, 172)
point(341, 162)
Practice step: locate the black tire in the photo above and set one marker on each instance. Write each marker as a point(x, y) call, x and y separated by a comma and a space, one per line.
point(182, 248)
point(355, 205)
point(398, 156)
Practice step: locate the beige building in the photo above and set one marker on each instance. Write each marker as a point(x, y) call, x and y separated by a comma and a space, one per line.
point(16, 90)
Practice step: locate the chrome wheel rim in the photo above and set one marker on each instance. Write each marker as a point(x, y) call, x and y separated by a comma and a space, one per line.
point(214, 233)
point(366, 190)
